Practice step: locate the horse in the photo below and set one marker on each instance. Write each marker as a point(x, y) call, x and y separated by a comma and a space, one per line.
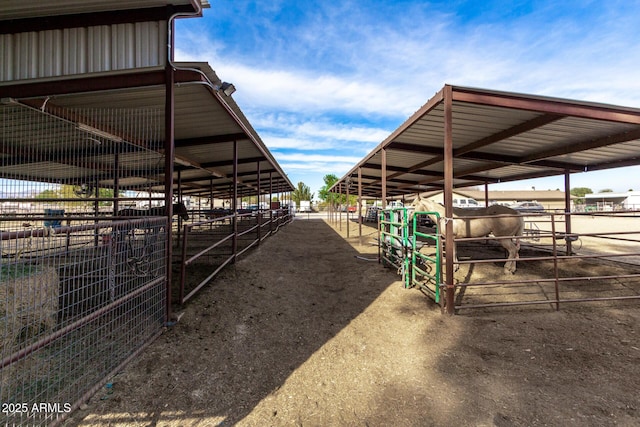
point(178, 209)
point(510, 223)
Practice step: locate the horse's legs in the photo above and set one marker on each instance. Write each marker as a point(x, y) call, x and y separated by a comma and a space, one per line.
point(512, 248)
point(456, 266)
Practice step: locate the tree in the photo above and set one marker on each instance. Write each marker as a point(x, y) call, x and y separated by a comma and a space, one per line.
point(47, 194)
point(107, 193)
point(324, 193)
point(580, 192)
point(302, 192)
point(73, 192)
point(334, 199)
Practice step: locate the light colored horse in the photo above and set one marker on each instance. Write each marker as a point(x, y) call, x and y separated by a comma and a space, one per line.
point(510, 223)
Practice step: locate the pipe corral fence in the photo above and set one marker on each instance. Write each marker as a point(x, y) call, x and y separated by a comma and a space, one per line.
point(563, 258)
point(208, 245)
point(83, 289)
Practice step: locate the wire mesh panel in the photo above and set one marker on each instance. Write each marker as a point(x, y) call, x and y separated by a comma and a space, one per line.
point(83, 271)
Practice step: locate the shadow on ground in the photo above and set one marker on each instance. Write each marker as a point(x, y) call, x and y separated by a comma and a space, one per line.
point(242, 336)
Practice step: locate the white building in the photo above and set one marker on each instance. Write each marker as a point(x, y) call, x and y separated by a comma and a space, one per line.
point(613, 201)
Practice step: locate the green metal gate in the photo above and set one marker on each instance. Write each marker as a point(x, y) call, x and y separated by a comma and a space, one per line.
point(426, 270)
point(400, 246)
point(393, 230)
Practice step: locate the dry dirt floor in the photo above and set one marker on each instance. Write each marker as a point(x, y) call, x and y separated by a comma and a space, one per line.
point(303, 331)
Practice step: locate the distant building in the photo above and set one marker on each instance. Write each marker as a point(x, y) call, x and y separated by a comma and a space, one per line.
point(613, 201)
point(550, 199)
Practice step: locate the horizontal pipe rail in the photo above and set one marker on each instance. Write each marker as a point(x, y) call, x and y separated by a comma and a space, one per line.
point(77, 324)
point(275, 221)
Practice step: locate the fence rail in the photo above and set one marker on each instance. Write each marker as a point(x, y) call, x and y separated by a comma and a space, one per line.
point(208, 246)
point(77, 302)
point(564, 258)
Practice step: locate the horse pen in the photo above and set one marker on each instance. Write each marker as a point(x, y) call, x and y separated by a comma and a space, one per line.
point(88, 248)
point(558, 268)
point(308, 332)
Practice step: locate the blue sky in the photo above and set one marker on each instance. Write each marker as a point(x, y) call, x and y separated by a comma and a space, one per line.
point(324, 82)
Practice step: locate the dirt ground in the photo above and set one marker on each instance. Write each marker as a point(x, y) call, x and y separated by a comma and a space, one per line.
point(302, 332)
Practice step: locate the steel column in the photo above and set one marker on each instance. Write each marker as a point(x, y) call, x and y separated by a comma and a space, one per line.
point(567, 209)
point(383, 171)
point(259, 217)
point(169, 153)
point(486, 194)
point(360, 203)
point(234, 203)
point(346, 184)
point(448, 197)
point(340, 210)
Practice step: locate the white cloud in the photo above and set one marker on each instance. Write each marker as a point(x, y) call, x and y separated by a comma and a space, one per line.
point(300, 126)
point(318, 158)
point(392, 72)
point(327, 84)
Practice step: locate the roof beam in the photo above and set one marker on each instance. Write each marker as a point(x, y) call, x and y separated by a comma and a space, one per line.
point(535, 123)
point(491, 139)
point(230, 162)
point(113, 17)
point(414, 148)
point(211, 139)
point(575, 147)
point(512, 160)
point(84, 84)
point(548, 105)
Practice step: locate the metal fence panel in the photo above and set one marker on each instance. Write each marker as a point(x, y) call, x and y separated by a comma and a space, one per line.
point(82, 288)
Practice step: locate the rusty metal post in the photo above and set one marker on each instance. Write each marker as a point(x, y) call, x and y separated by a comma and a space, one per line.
point(360, 203)
point(567, 210)
point(234, 203)
point(270, 197)
point(555, 262)
point(259, 216)
point(340, 210)
point(169, 152)
point(448, 197)
point(211, 201)
point(179, 233)
point(384, 177)
point(347, 184)
point(183, 268)
point(486, 194)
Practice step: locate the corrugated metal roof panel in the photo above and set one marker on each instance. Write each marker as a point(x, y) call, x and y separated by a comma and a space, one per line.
point(20, 9)
point(206, 125)
point(72, 51)
point(500, 136)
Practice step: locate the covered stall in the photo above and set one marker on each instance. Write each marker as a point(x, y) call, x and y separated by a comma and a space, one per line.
point(465, 137)
point(104, 138)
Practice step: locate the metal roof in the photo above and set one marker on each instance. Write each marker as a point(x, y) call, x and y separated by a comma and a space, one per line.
point(498, 137)
point(206, 125)
point(21, 9)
